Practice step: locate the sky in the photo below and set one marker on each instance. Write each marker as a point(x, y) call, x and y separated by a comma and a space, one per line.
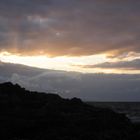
point(89, 36)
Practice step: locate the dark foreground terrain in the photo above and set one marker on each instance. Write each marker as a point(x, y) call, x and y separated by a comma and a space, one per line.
point(131, 109)
point(26, 115)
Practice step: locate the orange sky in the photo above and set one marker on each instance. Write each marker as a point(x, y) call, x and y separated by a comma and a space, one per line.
point(85, 64)
point(84, 36)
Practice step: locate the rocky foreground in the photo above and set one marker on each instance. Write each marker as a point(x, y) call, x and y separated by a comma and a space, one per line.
point(26, 115)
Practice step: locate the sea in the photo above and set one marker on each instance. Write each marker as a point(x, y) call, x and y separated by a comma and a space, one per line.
point(130, 109)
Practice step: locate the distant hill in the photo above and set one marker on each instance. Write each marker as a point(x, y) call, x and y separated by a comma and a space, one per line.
point(41, 116)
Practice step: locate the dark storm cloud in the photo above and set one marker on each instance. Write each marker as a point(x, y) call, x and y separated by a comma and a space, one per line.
point(69, 27)
point(130, 65)
point(19, 8)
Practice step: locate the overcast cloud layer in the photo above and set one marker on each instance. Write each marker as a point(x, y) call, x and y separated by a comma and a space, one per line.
point(69, 27)
point(91, 87)
point(126, 65)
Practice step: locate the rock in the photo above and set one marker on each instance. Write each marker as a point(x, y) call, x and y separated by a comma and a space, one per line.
point(40, 116)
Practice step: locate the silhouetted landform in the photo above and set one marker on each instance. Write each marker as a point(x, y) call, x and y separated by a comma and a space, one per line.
point(26, 115)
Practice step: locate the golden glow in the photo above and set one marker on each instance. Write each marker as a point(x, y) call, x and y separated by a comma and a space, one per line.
point(57, 63)
point(63, 63)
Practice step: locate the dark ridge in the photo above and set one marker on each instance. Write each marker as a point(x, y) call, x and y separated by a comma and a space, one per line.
point(40, 116)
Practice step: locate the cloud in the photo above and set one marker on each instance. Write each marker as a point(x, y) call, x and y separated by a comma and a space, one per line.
point(76, 27)
point(128, 65)
point(93, 87)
